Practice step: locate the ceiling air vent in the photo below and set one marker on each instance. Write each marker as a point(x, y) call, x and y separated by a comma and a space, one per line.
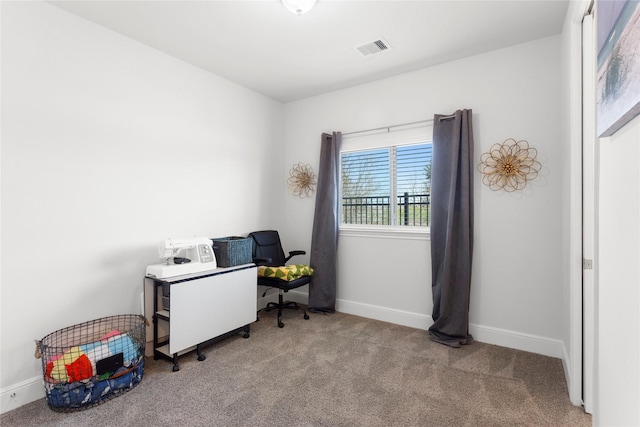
point(373, 47)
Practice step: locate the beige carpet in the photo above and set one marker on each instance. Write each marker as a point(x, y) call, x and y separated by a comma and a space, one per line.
point(337, 370)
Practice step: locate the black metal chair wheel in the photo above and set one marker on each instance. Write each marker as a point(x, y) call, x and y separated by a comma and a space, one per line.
point(280, 325)
point(306, 317)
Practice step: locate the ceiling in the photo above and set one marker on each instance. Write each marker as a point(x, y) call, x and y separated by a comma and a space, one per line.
point(264, 47)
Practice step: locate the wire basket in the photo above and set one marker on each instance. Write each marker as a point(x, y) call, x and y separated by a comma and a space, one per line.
point(90, 363)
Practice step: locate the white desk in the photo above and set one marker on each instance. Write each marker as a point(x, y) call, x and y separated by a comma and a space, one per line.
point(204, 307)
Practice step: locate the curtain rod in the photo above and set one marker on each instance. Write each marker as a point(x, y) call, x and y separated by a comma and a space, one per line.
point(388, 128)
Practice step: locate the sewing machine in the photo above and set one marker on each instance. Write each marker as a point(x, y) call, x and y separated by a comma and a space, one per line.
point(183, 256)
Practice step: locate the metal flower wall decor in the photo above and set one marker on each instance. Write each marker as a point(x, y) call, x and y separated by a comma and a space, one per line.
point(509, 166)
point(302, 180)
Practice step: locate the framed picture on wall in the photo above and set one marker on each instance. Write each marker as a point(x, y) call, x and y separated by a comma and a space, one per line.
point(618, 66)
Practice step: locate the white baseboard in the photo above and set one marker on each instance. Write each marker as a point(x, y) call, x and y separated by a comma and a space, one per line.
point(20, 394)
point(485, 334)
point(385, 314)
point(517, 340)
point(574, 395)
point(565, 364)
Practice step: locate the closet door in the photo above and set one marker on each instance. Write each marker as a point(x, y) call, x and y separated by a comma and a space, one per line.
point(589, 159)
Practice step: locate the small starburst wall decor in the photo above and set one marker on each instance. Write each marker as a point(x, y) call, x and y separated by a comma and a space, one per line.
point(509, 166)
point(302, 181)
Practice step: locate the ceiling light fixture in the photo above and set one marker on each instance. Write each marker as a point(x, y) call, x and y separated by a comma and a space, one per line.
point(299, 6)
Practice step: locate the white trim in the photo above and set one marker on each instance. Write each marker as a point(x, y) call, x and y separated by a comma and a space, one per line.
point(486, 334)
point(417, 133)
point(589, 208)
point(385, 314)
point(517, 340)
point(20, 394)
point(573, 31)
point(383, 138)
point(566, 365)
point(385, 231)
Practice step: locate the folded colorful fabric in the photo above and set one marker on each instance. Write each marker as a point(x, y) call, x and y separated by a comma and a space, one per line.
point(122, 344)
point(73, 365)
point(79, 363)
point(286, 272)
point(80, 369)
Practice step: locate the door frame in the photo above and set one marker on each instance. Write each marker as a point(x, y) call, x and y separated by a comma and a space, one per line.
point(589, 212)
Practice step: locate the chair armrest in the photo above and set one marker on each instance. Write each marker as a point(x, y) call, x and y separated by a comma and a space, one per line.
point(261, 261)
point(294, 253)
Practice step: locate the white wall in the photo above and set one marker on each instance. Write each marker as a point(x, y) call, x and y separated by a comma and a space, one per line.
point(517, 274)
point(618, 297)
point(105, 141)
point(108, 147)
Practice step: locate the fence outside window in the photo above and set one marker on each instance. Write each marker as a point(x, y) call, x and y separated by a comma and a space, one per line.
point(409, 210)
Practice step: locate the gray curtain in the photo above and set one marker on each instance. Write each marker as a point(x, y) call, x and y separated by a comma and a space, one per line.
point(451, 227)
point(324, 238)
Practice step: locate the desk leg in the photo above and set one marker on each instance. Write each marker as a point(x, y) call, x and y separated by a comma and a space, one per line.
point(176, 367)
point(201, 356)
point(246, 330)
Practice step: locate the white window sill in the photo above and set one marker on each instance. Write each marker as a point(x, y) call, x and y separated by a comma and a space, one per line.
point(385, 232)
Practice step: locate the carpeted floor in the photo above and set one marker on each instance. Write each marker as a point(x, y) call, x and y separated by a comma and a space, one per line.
point(337, 370)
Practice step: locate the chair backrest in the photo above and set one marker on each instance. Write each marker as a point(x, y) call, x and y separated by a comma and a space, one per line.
point(266, 244)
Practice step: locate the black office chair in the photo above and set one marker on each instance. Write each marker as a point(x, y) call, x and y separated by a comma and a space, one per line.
point(267, 250)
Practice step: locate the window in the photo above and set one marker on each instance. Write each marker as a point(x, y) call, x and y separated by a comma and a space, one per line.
point(387, 185)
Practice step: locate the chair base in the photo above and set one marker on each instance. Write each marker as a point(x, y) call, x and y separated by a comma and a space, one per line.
point(282, 305)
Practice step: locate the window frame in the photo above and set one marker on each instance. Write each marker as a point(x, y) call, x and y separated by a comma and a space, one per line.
point(386, 138)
